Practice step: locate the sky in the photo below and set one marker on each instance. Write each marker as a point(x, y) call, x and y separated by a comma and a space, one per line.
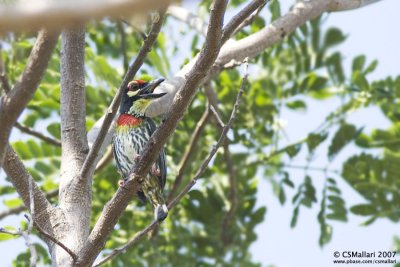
point(371, 30)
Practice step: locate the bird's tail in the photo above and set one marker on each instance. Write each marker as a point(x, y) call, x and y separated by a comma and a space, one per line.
point(153, 192)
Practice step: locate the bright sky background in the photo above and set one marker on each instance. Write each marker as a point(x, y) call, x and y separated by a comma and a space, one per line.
point(373, 31)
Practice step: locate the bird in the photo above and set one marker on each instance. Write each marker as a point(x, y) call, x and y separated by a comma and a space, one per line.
point(133, 131)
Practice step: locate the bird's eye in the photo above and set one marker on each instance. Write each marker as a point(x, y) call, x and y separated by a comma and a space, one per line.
point(133, 86)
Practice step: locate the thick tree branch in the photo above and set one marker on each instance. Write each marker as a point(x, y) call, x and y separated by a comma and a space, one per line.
point(302, 12)
point(99, 145)
point(54, 193)
point(20, 178)
point(75, 195)
point(113, 210)
point(200, 171)
point(59, 14)
point(37, 134)
point(13, 103)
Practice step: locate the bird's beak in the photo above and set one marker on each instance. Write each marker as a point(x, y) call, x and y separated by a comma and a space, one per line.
point(147, 91)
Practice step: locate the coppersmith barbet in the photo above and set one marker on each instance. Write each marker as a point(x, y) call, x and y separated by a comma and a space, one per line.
point(133, 131)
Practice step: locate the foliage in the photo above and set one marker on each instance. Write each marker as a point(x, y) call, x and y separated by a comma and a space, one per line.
point(307, 65)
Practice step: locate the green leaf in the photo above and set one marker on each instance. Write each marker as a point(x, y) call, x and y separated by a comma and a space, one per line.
point(297, 105)
point(371, 67)
point(314, 140)
point(364, 209)
point(333, 37)
point(345, 134)
point(4, 236)
point(275, 9)
point(293, 150)
point(12, 203)
point(22, 150)
point(359, 79)
point(295, 216)
point(282, 196)
point(55, 130)
point(358, 63)
point(326, 234)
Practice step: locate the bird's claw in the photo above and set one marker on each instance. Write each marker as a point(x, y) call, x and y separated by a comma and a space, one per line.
point(121, 183)
point(155, 171)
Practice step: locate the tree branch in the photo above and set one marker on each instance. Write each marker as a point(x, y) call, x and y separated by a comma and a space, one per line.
point(75, 195)
point(191, 183)
point(13, 103)
point(98, 145)
point(54, 193)
point(57, 242)
point(225, 235)
point(113, 209)
point(189, 152)
point(228, 218)
point(20, 178)
point(59, 14)
point(37, 134)
point(237, 20)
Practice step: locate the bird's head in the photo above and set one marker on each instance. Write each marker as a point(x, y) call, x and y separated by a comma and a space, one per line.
point(138, 95)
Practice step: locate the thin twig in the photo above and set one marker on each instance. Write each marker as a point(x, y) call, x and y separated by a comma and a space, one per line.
point(107, 157)
point(125, 60)
point(199, 172)
point(225, 237)
point(228, 218)
point(112, 110)
point(33, 258)
point(10, 232)
point(306, 167)
point(219, 143)
point(217, 117)
point(37, 134)
point(234, 23)
point(59, 243)
point(29, 244)
point(189, 152)
point(24, 234)
point(249, 20)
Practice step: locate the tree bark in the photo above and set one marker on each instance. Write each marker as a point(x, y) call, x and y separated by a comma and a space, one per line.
point(75, 194)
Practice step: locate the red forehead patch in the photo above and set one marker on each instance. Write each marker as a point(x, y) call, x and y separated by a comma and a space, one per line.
point(140, 81)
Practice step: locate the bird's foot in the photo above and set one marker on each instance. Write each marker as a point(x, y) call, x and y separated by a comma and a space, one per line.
point(155, 171)
point(160, 212)
point(121, 183)
point(136, 158)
